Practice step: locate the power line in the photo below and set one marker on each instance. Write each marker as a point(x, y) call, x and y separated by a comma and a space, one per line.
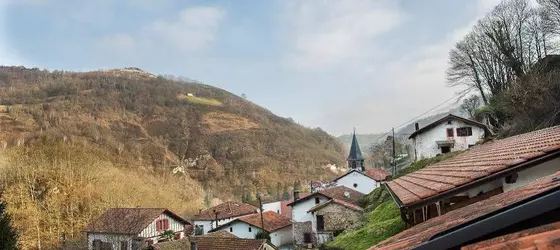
point(462, 93)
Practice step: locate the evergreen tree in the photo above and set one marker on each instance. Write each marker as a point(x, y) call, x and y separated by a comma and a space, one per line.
point(8, 236)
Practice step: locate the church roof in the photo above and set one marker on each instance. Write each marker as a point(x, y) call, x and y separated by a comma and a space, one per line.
point(355, 152)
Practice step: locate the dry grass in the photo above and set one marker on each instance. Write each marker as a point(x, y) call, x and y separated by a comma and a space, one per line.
point(57, 189)
point(199, 100)
point(215, 122)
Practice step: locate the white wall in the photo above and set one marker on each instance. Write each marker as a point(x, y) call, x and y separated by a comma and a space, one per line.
point(114, 238)
point(211, 224)
point(282, 236)
point(426, 146)
point(174, 225)
point(240, 229)
point(365, 184)
point(531, 174)
point(299, 210)
point(273, 206)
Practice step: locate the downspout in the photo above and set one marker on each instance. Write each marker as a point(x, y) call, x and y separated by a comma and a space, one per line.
point(401, 208)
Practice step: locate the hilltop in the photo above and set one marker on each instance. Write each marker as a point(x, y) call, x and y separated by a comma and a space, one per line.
point(163, 125)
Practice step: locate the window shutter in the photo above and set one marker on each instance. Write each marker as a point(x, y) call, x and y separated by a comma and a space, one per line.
point(165, 224)
point(158, 225)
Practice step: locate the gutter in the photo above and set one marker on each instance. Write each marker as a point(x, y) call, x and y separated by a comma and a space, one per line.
point(402, 209)
point(446, 194)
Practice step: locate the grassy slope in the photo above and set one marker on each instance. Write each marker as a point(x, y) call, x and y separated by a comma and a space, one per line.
point(381, 219)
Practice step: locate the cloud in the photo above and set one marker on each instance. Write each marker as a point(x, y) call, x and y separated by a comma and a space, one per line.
point(325, 33)
point(192, 31)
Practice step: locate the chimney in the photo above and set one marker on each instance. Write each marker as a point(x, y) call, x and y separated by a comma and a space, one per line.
point(296, 193)
point(416, 126)
point(347, 195)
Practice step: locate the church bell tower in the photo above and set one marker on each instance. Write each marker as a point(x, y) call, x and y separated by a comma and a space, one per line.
point(355, 158)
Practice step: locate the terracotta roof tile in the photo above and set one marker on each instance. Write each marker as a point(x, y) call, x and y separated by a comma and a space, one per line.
point(478, 162)
point(336, 201)
point(377, 174)
point(127, 220)
point(338, 193)
point(548, 234)
point(212, 243)
point(414, 236)
point(226, 210)
point(272, 221)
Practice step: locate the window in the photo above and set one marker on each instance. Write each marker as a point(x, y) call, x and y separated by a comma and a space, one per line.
point(353, 164)
point(96, 244)
point(450, 132)
point(250, 229)
point(231, 229)
point(278, 211)
point(471, 145)
point(306, 237)
point(464, 131)
point(199, 230)
point(448, 122)
point(162, 225)
point(317, 200)
point(355, 185)
point(124, 245)
point(320, 223)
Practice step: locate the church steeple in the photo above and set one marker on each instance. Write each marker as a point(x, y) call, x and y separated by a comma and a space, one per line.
point(355, 158)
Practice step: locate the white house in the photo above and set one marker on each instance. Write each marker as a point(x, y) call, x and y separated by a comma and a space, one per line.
point(363, 181)
point(221, 214)
point(129, 228)
point(278, 226)
point(448, 134)
point(302, 221)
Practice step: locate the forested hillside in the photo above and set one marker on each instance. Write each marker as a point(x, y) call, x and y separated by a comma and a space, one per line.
point(110, 138)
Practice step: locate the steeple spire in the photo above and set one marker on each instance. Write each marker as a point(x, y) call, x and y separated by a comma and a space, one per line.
point(355, 158)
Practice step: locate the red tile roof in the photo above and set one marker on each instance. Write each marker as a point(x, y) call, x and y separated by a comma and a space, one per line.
point(377, 174)
point(213, 243)
point(336, 201)
point(226, 210)
point(446, 118)
point(478, 162)
point(543, 237)
point(339, 193)
point(420, 233)
point(127, 220)
point(272, 221)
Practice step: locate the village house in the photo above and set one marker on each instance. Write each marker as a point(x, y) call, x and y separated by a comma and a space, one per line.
point(527, 217)
point(221, 214)
point(359, 178)
point(448, 134)
point(302, 220)
point(275, 205)
point(332, 217)
point(220, 240)
point(130, 228)
point(481, 172)
point(277, 226)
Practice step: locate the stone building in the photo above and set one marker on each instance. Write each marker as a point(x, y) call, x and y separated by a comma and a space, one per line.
point(331, 218)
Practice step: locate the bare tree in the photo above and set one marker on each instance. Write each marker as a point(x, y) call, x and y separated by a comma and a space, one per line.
point(550, 11)
point(470, 105)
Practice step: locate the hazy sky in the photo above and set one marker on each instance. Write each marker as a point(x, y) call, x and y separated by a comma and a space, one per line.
point(334, 64)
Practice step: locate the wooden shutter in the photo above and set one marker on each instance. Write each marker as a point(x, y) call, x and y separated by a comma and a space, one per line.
point(158, 225)
point(307, 238)
point(165, 224)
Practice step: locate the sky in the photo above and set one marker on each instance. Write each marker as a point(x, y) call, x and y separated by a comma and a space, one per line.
point(334, 64)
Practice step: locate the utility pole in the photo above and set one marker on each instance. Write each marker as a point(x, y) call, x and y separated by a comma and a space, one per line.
point(394, 162)
point(261, 210)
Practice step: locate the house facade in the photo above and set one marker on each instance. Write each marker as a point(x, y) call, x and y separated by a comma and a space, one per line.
point(130, 228)
point(278, 227)
point(477, 174)
point(331, 218)
point(302, 220)
point(219, 215)
point(448, 134)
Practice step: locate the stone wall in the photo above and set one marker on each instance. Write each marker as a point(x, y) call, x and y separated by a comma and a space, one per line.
point(338, 217)
point(299, 229)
